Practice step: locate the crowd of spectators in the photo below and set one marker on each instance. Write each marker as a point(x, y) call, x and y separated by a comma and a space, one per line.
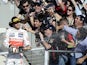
point(57, 25)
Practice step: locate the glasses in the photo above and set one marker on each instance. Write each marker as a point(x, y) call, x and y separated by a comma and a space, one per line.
point(37, 4)
point(25, 6)
point(69, 9)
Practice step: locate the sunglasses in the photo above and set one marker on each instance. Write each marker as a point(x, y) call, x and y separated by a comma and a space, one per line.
point(69, 9)
point(37, 4)
point(25, 6)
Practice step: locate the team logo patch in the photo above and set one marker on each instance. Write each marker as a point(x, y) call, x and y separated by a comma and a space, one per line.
point(20, 34)
point(11, 35)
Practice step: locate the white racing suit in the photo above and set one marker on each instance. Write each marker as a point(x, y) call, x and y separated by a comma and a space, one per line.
point(16, 38)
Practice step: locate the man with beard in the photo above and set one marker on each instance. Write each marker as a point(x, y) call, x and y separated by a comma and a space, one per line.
point(80, 35)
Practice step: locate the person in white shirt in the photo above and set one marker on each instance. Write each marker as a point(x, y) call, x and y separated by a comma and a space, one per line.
point(16, 40)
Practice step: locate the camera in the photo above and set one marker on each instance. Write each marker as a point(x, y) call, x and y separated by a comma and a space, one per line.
point(37, 35)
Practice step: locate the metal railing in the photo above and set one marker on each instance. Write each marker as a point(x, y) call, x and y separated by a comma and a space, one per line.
point(64, 51)
point(34, 56)
point(39, 58)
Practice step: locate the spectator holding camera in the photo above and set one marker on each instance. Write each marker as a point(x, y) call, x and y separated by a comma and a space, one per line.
point(53, 41)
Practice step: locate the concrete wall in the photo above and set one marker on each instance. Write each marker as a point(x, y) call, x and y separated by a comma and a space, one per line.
point(7, 10)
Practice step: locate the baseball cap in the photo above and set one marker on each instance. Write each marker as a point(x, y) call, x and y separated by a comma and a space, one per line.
point(49, 5)
point(51, 27)
point(14, 20)
point(37, 3)
point(48, 1)
point(82, 18)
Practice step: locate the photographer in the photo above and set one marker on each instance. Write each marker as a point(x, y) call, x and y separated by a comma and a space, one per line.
point(53, 41)
point(16, 41)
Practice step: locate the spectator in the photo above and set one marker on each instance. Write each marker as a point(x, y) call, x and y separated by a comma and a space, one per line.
point(38, 8)
point(38, 27)
point(85, 10)
point(61, 7)
point(53, 41)
point(25, 9)
point(70, 14)
point(67, 38)
point(77, 9)
point(80, 35)
point(52, 17)
point(79, 21)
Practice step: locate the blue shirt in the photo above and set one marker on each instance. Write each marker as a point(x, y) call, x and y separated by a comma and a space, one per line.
point(82, 45)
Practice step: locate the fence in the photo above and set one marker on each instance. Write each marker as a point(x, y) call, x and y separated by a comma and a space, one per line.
point(35, 56)
point(38, 56)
